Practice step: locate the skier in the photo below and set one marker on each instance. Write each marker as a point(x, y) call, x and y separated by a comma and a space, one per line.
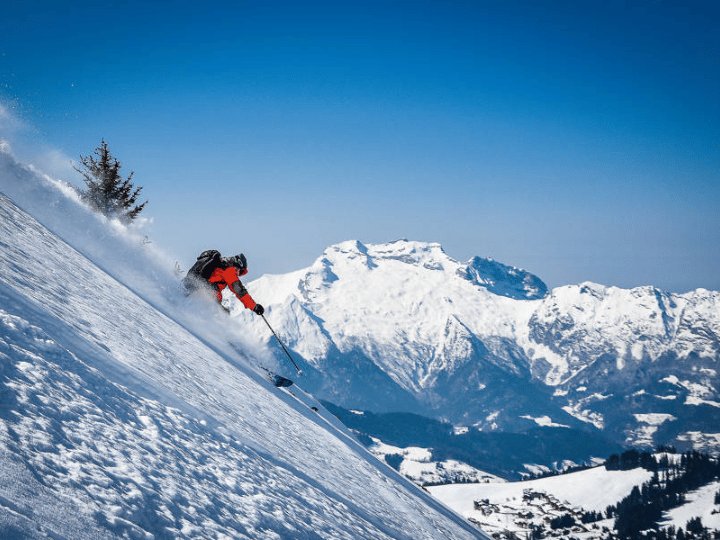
point(219, 272)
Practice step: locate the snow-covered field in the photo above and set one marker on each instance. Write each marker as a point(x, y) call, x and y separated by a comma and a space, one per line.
point(129, 411)
point(700, 503)
point(515, 506)
point(579, 489)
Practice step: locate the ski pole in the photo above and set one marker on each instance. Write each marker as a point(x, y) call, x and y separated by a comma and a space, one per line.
point(283, 346)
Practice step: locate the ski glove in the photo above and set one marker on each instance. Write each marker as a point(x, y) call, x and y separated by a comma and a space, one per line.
point(259, 309)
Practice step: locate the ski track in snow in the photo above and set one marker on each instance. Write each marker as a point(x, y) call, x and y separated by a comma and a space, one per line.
point(118, 419)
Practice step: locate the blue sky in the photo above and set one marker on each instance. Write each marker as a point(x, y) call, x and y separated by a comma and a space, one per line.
point(577, 140)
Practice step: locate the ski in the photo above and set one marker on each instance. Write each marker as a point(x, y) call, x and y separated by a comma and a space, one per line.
point(277, 380)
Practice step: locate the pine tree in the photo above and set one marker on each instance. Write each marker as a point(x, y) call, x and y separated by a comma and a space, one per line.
point(107, 192)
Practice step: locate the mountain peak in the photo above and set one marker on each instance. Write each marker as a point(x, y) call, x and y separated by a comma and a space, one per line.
point(403, 249)
point(497, 278)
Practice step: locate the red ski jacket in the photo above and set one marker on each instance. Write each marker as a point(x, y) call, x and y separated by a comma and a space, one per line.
point(228, 277)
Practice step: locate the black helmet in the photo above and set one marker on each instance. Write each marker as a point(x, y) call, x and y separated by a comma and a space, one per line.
point(239, 262)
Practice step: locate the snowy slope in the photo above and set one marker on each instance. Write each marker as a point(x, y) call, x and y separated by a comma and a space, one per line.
point(129, 411)
point(700, 503)
point(487, 345)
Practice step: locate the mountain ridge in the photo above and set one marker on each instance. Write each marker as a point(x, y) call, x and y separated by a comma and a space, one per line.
point(439, 328)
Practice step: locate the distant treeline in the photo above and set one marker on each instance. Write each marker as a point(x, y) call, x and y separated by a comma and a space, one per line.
point(566, 470)
point(632, 459)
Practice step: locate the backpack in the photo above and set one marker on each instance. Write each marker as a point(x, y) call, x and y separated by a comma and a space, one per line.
point(201, 271)
point(206, 264)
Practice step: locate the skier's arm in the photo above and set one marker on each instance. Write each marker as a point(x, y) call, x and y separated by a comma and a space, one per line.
point(236, 286)
point(241, 292)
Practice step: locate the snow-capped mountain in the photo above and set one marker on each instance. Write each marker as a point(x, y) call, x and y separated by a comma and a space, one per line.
point(403, 326)
point(129, 411)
